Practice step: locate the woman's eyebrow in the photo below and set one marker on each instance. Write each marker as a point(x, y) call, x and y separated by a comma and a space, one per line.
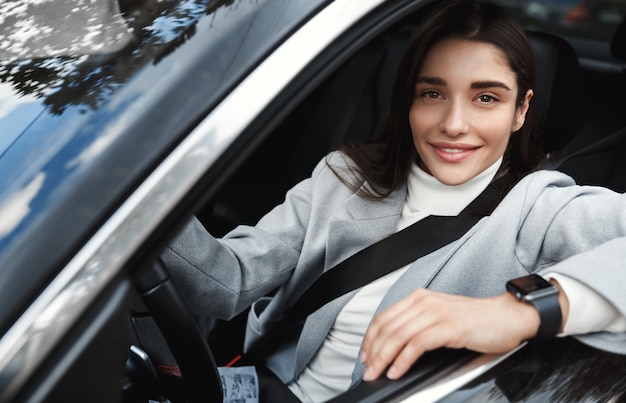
point(431, 80)
point(477, 85)
point(480, 85)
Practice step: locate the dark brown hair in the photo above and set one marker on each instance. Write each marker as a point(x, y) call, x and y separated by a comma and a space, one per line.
point(384, 162)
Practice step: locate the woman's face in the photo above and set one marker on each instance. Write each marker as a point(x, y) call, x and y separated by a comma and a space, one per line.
point(464, 109)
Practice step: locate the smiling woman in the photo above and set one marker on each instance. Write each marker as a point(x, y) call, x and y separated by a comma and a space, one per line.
point(460, 125)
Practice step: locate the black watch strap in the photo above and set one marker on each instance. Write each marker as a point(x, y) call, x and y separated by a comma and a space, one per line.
point(550, 316)
point(534, 289)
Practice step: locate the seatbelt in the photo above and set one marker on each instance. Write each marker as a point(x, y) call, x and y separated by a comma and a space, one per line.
point(376, 260)
point(393, 252)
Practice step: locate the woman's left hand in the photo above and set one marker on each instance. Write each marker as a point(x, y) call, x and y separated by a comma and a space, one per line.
point(426, 320)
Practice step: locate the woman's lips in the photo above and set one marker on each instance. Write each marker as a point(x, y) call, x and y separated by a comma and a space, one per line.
point(454, 152)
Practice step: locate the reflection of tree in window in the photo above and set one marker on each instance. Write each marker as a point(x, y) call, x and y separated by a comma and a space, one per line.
point(66, 66)
point(561, 370)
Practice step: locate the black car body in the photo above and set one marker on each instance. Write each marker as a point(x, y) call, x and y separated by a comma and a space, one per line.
point(106, 150)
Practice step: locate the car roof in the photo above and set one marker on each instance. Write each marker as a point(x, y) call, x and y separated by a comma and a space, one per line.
point(92, 126)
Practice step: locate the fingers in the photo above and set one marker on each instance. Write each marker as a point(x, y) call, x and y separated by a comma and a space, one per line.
point(429, 339)
point(401, 350)
point(382, 320)
point(399, 336)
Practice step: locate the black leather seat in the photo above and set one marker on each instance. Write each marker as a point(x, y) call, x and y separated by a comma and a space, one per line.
point(558, 95)
point(603, 163)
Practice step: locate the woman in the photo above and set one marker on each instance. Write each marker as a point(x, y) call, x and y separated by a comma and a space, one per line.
point(460, 119)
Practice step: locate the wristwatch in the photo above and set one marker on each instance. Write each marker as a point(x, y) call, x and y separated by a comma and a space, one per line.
point(544, 296)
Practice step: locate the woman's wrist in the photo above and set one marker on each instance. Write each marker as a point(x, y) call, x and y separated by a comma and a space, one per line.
point(524, 315)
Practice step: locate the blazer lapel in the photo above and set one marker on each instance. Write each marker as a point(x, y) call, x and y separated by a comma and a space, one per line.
point(361, 223)
point(315, 329)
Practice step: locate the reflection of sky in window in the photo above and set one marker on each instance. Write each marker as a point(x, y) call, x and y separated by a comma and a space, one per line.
point(21, 105)
point(17, 206)
point(168, 27)
point(23, 95)
point(16, 114)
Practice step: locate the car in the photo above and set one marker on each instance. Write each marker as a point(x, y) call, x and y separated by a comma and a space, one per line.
point(122, 119)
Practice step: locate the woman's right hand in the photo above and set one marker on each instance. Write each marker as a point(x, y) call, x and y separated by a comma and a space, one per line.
point(426, 320)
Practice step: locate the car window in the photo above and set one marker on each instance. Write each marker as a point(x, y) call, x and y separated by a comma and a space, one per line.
point(590, 19)
point(83, 129)
point(53, 53)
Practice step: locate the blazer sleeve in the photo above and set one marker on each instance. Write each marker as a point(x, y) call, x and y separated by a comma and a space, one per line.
point(589, 311)
point(222, 277)
point(580, 232)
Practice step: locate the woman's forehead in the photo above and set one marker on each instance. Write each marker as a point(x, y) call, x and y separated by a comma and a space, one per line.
point(460, 59)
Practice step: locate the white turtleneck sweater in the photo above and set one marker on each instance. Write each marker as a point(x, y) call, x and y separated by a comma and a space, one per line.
point(330, 371)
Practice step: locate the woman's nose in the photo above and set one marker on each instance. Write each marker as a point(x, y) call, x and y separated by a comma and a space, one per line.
point(454, 120)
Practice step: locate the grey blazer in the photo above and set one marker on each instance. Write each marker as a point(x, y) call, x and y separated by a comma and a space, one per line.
point(545, 223)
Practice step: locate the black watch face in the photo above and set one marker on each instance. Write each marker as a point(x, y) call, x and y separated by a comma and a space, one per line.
point(530, 283)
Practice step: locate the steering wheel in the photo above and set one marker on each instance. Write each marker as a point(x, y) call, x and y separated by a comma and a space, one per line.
point(200, 377)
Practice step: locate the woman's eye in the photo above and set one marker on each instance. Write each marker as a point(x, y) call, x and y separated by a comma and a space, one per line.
point(487, 99)
point(431, 94)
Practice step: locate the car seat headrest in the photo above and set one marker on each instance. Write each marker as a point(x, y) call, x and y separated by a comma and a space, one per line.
point(558, 96)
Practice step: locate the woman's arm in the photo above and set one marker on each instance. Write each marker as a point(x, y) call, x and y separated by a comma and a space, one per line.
point(221, 277)
point(426, 320)
point(583, 238)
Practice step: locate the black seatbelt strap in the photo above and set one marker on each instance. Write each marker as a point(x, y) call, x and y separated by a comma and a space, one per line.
point(393, 252)
point(376, 260)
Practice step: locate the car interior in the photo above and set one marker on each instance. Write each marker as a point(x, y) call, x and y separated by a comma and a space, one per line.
point(351, 106)
point(581, 125)
point(601, 158)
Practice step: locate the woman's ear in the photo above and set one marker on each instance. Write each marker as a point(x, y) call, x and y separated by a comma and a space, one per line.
point(520, 112)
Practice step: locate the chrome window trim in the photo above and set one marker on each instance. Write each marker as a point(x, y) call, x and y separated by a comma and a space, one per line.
point(28, 342)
